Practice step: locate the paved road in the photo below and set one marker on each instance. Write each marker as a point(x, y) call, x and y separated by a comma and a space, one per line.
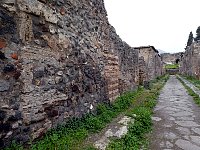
point(176, 119)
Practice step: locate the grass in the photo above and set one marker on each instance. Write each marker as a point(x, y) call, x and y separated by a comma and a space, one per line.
point(15, 146)
point(72, 134)
point(196, 97)
point(171, 66)
point(136, 136)
point(193, 80)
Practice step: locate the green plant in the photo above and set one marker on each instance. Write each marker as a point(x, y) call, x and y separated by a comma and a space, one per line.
point(89, 148)
point(193, 80)
point(171, 66)
point(71, 135)
point(190, 39)
point(197, 34)
point(136, 136)
point(15, 146)
point(195, 96)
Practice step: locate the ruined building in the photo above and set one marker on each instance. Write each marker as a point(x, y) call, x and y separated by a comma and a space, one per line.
point(190, 61)
point(168, 58)
point(152, 61)
point(60, 59)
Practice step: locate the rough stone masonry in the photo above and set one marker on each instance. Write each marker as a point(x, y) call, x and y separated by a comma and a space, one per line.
point(169, 58)
point(58, 59)
point(152, 60)
point(190, 61)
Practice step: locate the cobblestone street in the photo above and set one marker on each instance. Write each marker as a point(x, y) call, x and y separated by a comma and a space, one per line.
point(176, 119)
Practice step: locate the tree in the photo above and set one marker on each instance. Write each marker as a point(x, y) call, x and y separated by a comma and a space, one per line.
point(197, 34)
point(190, 39)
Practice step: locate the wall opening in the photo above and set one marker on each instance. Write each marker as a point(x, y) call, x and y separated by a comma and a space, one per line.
point(177, 61)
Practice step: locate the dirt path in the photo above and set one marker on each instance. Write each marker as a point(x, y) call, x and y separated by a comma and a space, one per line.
point(176, 119)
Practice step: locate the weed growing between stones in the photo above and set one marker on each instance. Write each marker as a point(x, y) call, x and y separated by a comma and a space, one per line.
point(15, 146)
point(142, 112)
point(72, 134)
point(193, 80)
point(196, 97)
point(134, 138)
point(143, 123)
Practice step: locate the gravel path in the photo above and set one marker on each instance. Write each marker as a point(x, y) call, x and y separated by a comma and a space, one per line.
point(176, 119)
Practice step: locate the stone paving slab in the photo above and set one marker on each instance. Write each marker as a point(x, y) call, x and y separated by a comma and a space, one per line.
point(115, 130)
point(176, 119)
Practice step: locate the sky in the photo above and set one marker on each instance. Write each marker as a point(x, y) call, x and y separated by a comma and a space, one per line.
point(164, 24)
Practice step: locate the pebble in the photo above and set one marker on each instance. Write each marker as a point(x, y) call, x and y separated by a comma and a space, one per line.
point(59, 73)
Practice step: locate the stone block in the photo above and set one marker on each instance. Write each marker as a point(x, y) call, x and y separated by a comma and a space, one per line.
point(4, 85)
point(147, 85)
point(2, 115)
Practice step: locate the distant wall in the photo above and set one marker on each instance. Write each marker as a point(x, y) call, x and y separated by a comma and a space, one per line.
point(172, 71)
point(152, 60)
point(168, 58)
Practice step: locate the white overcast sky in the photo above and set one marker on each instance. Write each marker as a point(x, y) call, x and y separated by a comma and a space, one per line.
point(165, 24)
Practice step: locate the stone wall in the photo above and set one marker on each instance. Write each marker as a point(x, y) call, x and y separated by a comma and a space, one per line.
point(190, 61)
point(169, 58)
point(142, 71)
point(172, 71)
point(58, 59)
point(153, 61)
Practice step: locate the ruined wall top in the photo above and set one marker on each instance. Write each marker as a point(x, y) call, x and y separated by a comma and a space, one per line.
point(168, 58)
